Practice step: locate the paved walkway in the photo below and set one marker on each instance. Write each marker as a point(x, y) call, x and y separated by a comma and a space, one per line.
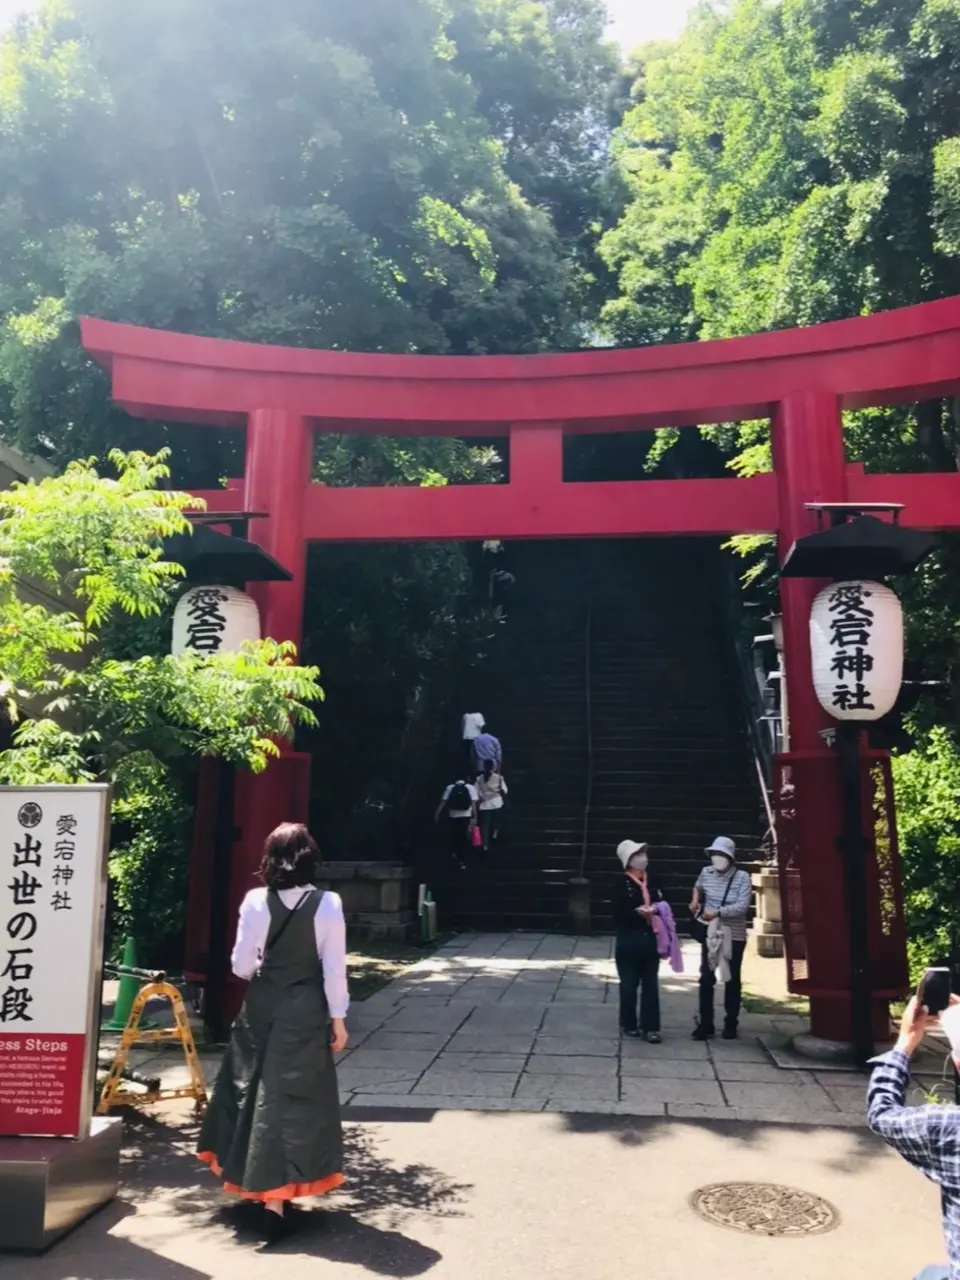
point(527, 1022)
point(521, 1022)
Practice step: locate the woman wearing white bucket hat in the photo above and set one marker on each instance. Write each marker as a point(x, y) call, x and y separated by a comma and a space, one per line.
point(633, 907)
point(721, 899)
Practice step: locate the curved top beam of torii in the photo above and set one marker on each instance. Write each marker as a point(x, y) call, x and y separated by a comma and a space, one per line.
point(890, 357)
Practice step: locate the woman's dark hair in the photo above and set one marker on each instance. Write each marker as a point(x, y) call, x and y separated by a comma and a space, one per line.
point(488, 769)
point(290, 857)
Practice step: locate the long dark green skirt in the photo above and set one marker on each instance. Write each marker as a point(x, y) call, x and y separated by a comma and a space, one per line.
point(272, 1130)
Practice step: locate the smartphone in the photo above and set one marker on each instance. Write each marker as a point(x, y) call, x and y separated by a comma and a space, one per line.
point(934, 990)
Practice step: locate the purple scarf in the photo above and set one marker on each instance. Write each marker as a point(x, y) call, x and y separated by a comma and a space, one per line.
point(668, 944)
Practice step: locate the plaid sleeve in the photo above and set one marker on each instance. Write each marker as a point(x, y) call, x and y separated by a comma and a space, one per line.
point(917, 1133)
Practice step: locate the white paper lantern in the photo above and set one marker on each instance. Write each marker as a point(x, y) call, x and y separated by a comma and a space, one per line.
point(211, 620)
point(856, 645)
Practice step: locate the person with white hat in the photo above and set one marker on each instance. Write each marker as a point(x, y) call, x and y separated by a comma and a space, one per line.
point(721, 900)
point(633, 906)
point(471, 726)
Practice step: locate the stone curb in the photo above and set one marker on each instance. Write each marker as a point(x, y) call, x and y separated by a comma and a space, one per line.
point(354, 1107)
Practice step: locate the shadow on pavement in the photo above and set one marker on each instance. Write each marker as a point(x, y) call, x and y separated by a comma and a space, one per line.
point(166, 1189)
point(636, 1131)
point(392, 1191)
point(92, 1253)
point(337, 1235)
point(639, 1131)
point(163, 1175)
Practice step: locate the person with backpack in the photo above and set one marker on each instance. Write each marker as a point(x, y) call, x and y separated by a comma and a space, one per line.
point(491, 788)
point(458, 807)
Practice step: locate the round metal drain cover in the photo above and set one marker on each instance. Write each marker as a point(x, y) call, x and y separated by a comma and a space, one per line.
point(765, 1209)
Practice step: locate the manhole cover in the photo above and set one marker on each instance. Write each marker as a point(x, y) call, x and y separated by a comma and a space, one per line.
point(764, 1209)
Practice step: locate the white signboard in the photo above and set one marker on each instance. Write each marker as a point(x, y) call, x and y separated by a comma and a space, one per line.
point(53, 845)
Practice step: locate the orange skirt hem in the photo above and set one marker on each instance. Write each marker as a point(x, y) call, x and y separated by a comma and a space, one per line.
point(292, 1191)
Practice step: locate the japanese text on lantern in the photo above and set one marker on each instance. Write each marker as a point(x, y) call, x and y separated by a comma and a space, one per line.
point(207, 620)
point(40, 878)
point(851, 630)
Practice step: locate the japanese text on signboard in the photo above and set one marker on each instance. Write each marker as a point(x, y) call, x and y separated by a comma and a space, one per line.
point(52, 854)
point(40, 878)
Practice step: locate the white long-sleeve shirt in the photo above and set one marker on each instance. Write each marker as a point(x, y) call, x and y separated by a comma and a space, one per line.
point(331, 934)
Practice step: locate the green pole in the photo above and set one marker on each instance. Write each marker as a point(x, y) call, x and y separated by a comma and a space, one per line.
point(129, 986)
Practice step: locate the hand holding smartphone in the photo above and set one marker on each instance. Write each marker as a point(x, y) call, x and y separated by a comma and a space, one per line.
point(934, 990)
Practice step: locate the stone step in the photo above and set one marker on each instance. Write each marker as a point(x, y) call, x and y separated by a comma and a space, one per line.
point(671, 757)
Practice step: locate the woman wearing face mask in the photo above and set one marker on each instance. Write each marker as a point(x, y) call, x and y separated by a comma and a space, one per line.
point(637, 955)
point(721, 899)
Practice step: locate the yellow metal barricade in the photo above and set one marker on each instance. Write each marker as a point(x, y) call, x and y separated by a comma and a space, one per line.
point(114, 1094)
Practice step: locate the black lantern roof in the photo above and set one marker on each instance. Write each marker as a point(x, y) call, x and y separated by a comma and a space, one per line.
point(861, 547)
point(212, 557)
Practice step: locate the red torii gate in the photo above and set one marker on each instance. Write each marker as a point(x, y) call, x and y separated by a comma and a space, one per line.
point(801, 379)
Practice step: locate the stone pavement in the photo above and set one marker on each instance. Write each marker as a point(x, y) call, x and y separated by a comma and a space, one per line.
point(528, 1022)
point(525, 1022)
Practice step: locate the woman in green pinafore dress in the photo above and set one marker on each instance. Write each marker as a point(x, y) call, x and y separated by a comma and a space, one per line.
point(272, 1130)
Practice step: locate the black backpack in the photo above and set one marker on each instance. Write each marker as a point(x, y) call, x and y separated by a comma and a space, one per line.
point(459, 798)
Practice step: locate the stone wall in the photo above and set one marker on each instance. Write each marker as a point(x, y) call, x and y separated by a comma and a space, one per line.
point(379, 898)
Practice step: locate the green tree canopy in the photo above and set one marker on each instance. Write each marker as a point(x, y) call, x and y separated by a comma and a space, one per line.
point(789, 163)
point(96, 544)
point(82, 578)
point(402, 177)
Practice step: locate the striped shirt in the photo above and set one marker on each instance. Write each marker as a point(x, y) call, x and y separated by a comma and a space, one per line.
point(714, 884)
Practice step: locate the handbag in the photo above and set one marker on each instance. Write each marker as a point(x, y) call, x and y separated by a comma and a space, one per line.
point(476, 839)
point(699, 926)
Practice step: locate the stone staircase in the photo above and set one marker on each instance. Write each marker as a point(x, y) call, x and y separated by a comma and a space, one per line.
point(614, 690)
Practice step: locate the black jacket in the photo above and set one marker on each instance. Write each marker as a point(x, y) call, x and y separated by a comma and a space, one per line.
point(624, 901)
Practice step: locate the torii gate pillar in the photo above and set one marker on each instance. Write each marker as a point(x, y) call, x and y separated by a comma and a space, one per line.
point(810, 466)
